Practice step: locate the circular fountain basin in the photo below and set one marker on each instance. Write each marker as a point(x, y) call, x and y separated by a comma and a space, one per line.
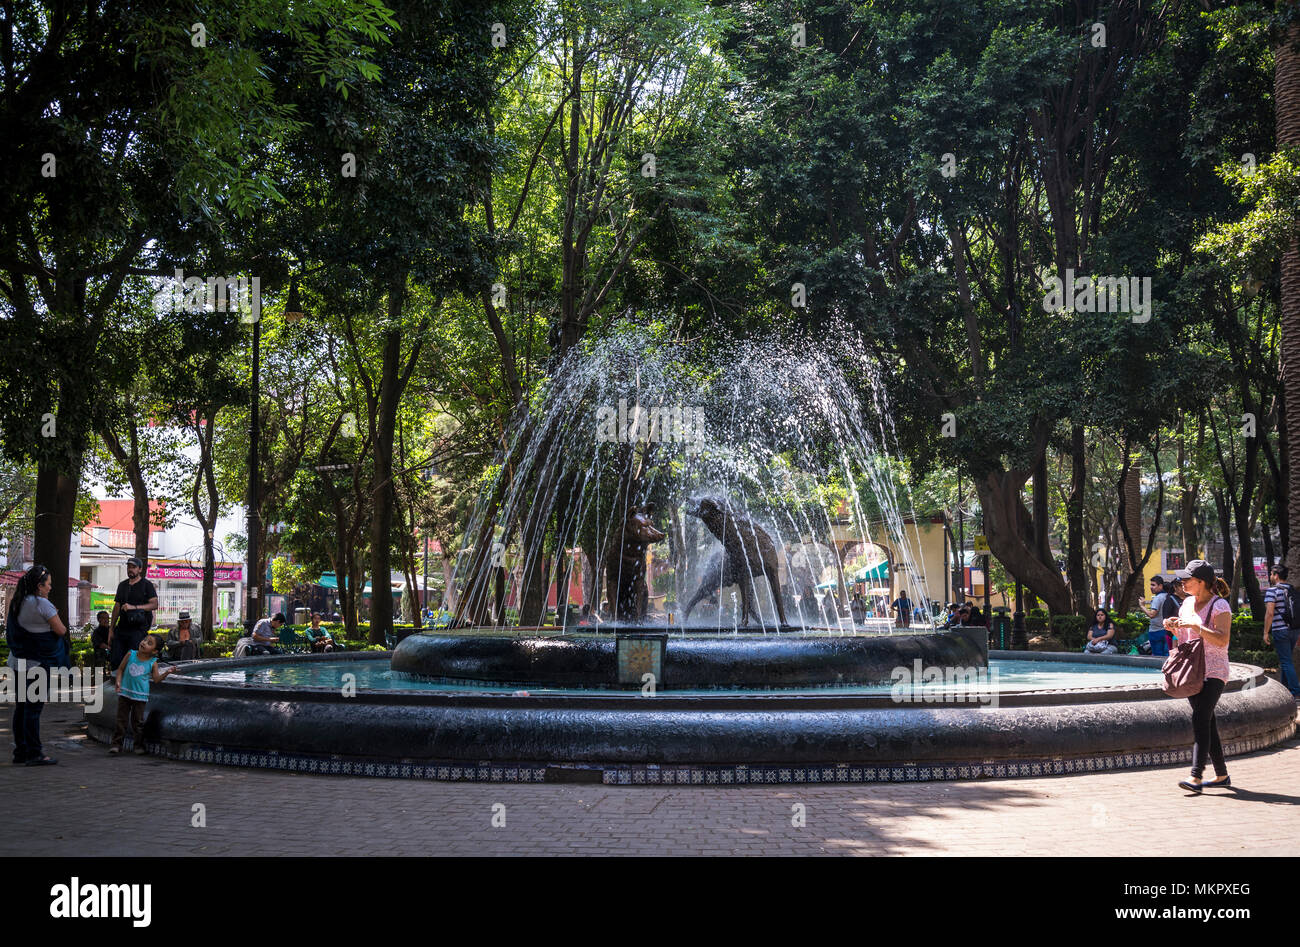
point(1032, 714)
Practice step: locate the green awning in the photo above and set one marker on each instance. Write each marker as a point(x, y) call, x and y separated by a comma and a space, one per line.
point(877, 573)
point(329, 581)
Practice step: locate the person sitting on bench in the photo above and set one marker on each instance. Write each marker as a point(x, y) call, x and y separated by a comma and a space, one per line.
point(183, 642)
point(265, 634)
point(321, 640)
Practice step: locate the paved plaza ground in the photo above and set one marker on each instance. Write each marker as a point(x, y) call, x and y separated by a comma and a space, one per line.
point(251, 812)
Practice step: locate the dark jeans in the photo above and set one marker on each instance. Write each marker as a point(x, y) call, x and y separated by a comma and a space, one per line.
point(27, 730)
point(27, 717)
point(1206, 730)
point(130, 715)
point(263, 649)
point(1284, 643)
point(123, 642)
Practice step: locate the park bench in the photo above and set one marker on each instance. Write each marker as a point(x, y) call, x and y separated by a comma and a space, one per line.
point(291, 642)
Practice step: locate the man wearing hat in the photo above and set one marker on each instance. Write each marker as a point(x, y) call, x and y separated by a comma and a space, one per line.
point(183, 642)
point(133, 609)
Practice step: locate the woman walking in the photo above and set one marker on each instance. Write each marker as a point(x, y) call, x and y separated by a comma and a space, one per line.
point(1205, 614)
point(39, 632)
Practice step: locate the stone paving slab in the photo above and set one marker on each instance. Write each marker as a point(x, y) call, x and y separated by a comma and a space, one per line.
point(90, 804)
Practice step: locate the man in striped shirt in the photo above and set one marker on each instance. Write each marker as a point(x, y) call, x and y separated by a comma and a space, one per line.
point(1278, 622)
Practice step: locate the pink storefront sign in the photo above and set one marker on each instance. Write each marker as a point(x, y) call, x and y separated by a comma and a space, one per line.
point(220, 574)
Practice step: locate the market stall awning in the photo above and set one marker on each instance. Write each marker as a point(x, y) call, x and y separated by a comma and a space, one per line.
point(877, 573)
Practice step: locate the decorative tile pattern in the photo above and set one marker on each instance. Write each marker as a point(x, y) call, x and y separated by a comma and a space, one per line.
point(710, 775)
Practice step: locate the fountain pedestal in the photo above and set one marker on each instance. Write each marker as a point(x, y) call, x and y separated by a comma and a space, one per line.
point(689, 661)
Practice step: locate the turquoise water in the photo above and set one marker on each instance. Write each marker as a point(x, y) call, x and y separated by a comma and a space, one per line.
point(377, 675)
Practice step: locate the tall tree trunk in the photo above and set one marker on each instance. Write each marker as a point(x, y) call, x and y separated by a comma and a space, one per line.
point(1286, 101)
point(1075, 554)
point(1132, 487)
point(56, 507)
point(128, 458)
point(1228, 566)
point(1281, 479)
point(205, 481)
point(1000, 499)
point(1187, 501)
point(1042, 530)
point(1270, 551)
point(1241, 511)
point(381, 523)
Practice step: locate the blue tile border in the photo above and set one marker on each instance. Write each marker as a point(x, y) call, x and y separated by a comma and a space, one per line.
point(705, 774)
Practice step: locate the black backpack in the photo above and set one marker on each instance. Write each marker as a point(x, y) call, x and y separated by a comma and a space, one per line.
point(1292, 599)
point(1169, 607)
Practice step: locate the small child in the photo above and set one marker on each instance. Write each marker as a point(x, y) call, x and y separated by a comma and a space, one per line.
point(99, 640)
point(140, 667)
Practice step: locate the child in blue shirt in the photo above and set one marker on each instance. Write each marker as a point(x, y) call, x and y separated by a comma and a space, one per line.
point(139, 667)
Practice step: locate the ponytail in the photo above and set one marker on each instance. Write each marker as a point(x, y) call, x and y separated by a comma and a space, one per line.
point(1220, 588)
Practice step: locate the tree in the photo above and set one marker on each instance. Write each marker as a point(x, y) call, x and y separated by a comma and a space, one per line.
point(101, 186)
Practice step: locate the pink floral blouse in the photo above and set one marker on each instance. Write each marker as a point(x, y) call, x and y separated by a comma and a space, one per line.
point(1216, 656)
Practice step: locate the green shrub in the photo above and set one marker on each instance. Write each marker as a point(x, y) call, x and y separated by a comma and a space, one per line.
point(1264, 659)
point(1071, 629)
point(1247, 633)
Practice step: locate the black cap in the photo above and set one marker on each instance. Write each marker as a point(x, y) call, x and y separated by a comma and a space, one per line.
point(133, 561)
point(1197, 569)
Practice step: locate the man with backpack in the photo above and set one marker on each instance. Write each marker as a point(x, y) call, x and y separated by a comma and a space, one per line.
point(1280, 610)
point(1163, 605)
point(133, 607)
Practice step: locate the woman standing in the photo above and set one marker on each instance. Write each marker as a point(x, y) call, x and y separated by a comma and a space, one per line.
point(41, 631)
point(1205, 614)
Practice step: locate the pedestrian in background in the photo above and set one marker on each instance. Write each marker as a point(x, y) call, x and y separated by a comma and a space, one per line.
point(1280, 627)
point(1163, 605)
